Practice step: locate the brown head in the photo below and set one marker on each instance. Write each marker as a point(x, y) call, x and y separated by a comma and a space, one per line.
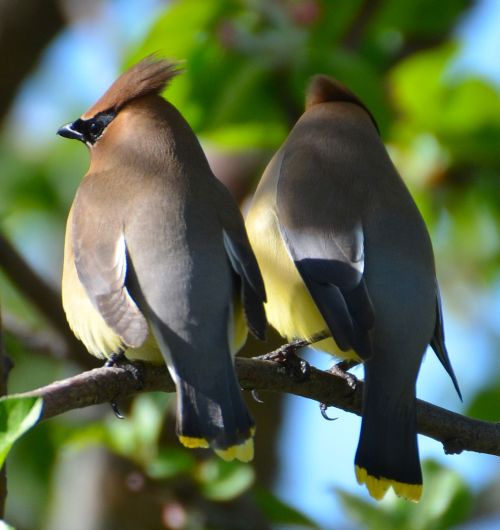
point(323, 89)
point(148, 77)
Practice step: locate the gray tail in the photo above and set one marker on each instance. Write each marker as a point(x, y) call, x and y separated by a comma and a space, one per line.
point(211, 411)
point(387, 453)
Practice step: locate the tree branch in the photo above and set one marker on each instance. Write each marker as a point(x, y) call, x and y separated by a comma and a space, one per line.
point(25, 29)
point(101, 385)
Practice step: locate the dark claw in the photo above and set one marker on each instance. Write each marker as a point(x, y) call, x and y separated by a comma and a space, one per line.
point(256, 396)
point(116, 410)
point(323, 407)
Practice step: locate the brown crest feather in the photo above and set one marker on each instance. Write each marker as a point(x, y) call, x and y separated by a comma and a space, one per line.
point(322, 89)
point(149, 76)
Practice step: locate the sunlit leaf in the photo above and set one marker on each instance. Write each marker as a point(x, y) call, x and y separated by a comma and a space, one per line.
point(446, 502)
point(484, 406)
point(223, 481)
point(17, 415)
point(136, 435)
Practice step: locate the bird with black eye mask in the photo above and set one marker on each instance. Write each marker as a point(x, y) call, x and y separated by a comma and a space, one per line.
point(157, 263)
point(88, 131)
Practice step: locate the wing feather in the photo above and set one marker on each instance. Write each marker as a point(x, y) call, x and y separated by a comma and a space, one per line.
point(327, 249)
point(101, 263)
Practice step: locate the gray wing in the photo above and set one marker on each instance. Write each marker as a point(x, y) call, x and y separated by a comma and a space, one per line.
point(325, 240)
point(243, 261)
point(101, 263)
point(253, 294)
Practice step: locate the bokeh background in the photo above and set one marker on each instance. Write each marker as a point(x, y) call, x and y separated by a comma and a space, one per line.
point(430, 73)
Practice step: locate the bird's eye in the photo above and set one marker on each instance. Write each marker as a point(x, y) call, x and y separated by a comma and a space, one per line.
point(92, 129)
point(95, 129)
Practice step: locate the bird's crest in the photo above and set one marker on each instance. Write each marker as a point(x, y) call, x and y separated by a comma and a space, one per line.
point(322, 89)
point(149, 76)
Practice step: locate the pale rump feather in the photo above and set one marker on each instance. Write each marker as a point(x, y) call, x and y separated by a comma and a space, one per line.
point(149, 76)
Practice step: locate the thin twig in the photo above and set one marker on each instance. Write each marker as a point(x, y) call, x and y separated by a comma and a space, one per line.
point(46, 299)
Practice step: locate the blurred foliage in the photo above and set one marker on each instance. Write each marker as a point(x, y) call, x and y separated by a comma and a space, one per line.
point(247, 64)
point(447, 501)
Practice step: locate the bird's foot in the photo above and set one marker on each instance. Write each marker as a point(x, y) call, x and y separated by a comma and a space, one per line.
point(296, 368)
point(341, 370)
point(120, 360)
point(115, 359)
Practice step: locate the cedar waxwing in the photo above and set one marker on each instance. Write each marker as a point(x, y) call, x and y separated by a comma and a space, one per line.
point(157, 262)
point(341, 246)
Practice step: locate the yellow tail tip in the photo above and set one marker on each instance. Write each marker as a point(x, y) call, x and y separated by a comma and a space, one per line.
point(194, 443)
point(378, 486)
point(242, 452)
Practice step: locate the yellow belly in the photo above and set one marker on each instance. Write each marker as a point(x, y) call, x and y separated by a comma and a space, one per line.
point(290, 308)
point(100, 340)
point(88, 325)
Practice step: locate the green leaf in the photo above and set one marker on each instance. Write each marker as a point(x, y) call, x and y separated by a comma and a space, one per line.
point(179, 29)
point(223, 481)
point(170, 462)
point(367, 513)
point(484, 406)
point(279, 512)
point(446, 502)
point(136, 435)
point(17, 415)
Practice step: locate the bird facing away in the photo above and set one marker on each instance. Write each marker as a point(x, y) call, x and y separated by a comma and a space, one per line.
point(157, 263)
point(342, 247)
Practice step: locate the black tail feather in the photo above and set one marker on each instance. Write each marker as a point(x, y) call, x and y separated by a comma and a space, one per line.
point(216, 414)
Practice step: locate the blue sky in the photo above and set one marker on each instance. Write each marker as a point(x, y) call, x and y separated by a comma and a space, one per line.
point(88, 56)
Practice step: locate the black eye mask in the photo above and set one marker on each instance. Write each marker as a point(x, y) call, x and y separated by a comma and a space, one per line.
point(88, 131)
point(92, 129)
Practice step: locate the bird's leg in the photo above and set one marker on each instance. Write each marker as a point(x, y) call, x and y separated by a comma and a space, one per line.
point(115, 359)
point(119, 359)
point(295, 367)
point(341, 370)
